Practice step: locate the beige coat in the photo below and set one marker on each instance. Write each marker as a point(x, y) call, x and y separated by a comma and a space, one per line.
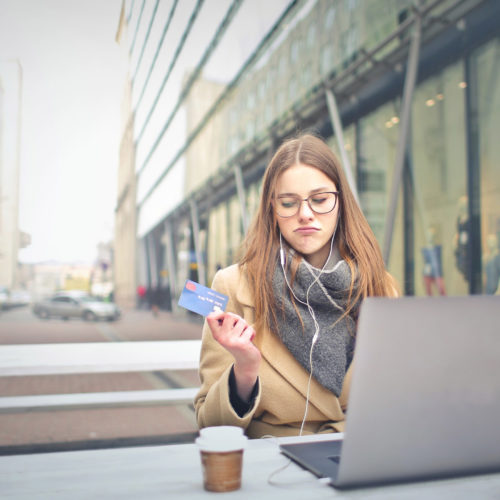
point(281, 400)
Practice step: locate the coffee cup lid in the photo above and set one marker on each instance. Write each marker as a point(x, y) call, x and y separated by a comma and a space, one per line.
point(218, 431)
point(221, 443)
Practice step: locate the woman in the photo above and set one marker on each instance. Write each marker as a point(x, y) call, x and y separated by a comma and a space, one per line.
point(309, 259)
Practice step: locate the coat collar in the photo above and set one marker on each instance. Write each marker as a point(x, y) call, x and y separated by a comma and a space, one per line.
point(243, 293)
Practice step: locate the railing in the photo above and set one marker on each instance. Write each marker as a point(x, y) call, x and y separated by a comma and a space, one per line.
point(60, 359)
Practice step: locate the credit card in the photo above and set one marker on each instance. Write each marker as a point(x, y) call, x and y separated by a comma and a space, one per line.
point(201, 299)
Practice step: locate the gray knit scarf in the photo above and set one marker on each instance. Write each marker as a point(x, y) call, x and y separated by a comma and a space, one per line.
point(334, 347)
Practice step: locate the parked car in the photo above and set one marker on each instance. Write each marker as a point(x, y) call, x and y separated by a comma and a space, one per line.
point(4, 298)
point(76, 304)
point(19, 298)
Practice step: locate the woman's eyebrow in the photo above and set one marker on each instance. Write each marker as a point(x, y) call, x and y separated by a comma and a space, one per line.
point(313, 191)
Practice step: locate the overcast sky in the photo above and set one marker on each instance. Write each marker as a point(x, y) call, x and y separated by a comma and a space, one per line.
point(73, 77)
point(73, 80)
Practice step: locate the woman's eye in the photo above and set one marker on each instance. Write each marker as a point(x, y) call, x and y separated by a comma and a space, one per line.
point(318, 200)
point(288, 203)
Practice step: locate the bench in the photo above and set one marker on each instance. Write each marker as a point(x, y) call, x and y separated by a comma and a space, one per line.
point(98, 357)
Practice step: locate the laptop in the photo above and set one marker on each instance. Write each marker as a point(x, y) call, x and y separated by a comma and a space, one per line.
point(425, 395)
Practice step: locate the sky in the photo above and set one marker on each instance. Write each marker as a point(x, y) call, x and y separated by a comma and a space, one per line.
point(74, 75)
point(73, 81)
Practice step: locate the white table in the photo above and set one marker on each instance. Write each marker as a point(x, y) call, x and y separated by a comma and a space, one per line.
point(174, 471)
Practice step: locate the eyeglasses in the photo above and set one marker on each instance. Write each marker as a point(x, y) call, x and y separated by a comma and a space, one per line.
point(320, 203)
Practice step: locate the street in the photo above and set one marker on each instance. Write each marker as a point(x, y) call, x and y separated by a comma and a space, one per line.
point(80, 429)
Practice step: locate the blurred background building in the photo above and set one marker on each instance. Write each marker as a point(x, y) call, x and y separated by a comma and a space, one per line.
point(11, 238)
point(406, 92)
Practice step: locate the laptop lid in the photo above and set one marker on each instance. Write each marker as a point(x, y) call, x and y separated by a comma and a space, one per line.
point(425, 392)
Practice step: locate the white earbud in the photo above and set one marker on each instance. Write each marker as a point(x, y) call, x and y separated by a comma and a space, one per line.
point(282, 254)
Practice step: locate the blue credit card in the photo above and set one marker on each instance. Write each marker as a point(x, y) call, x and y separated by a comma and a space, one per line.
point(201, 299)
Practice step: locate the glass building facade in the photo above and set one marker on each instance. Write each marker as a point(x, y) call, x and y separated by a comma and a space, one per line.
point(446, 222)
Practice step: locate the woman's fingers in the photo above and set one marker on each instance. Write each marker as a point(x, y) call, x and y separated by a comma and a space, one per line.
point(229, 329)
point(248, 334)
point(215, 318)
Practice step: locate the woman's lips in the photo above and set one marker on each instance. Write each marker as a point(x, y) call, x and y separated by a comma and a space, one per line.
point(306, 230)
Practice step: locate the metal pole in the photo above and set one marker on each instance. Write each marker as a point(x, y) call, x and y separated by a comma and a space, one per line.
point(337, 129)
point(240, 188)
point(411, 77)
point(197, 246)
point(153, 266)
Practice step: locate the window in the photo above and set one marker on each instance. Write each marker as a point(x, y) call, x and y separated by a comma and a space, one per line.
point(294, 51)
point(61, 300)
point(326, 59)
point(233, 116)
point(262, 89)
point(292, 89)
point(280, 102)
point(281, 65)
point(375, 175)
point(439, 171)
point(306, 79)
point(271, 75)
point(330, 18)
point(251, 100)
point(352, 4)
point(268, 114)
point(351, 42)
point(311, 36)
point(486, 62)
point(250, 130)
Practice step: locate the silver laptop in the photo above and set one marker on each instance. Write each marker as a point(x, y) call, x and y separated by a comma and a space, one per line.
point(425, 394)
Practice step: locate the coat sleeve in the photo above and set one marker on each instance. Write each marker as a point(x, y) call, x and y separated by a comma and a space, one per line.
point(212, 403)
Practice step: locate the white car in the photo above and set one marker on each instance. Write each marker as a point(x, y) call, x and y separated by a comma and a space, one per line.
point(4, 298)
point(19, 298)
point(76, 304)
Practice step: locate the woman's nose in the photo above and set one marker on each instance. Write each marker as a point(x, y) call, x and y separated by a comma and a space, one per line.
point(305, 211)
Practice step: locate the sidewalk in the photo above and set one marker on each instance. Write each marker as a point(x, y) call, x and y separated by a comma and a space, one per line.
point(81, 429)
point(143, 325)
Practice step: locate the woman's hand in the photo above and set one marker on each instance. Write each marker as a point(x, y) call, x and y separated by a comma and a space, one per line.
point(234, 334)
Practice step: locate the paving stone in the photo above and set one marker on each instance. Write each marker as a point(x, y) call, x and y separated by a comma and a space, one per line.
point(75, 426)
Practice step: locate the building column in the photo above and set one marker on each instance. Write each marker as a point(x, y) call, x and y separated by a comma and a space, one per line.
point(474, 250)
point(240, 188)
point(152, 261)
point(195, 222)
point(168, 242)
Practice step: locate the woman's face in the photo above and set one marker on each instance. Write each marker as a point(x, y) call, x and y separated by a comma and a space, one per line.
point(308, 232)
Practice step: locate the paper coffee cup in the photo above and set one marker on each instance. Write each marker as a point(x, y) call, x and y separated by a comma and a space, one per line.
point(221, 450)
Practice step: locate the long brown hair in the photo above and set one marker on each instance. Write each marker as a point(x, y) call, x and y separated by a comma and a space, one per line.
point(356, 242)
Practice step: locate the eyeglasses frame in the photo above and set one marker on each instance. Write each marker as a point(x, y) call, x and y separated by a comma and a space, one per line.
point(301, 200)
